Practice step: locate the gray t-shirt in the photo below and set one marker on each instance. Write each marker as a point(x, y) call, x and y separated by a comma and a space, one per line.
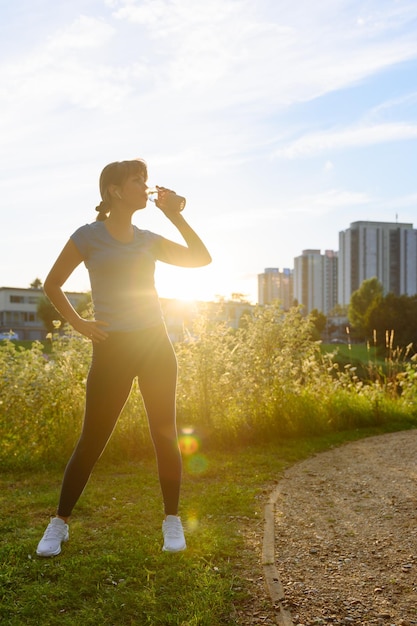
point(121, 276)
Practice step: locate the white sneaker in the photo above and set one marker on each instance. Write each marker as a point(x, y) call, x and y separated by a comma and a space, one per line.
point(174, 540)
point(56, 532)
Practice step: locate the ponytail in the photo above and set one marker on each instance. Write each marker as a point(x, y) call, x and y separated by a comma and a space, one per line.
point(103, 209)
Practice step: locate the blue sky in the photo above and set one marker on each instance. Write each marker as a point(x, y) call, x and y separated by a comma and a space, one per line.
point(281, 121)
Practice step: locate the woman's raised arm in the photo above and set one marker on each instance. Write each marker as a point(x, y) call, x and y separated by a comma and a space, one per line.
point(194, 254)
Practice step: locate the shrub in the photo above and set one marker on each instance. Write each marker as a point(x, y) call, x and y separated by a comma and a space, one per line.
point(266, 381)
point(41, 400)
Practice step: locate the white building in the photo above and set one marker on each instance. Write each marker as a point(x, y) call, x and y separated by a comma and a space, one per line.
point(383, 250)
point(315, 280)
point(18, 311)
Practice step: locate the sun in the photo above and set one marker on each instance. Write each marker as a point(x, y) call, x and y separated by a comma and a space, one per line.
point(199, 284)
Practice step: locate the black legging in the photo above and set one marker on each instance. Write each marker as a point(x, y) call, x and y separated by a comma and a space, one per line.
point(147, 354)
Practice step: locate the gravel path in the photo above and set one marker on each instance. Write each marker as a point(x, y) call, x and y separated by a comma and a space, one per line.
point(345, 529)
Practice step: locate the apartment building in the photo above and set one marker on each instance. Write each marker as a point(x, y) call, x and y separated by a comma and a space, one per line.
point(315, 280)
point(385, 250)
point(276, 285)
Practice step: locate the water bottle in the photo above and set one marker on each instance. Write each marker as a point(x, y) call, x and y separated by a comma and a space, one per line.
point(166, 198)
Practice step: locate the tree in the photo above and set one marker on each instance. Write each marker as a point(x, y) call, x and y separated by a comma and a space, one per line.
point(239, 297)
point(36, 284)
point(362, 301)
point(319, 322)
point(394, 316)
point(339, 310)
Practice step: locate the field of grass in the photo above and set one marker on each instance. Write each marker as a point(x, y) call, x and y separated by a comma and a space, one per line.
point(112, 571)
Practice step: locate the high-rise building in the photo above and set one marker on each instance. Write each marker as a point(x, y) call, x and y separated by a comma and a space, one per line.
point(276, 285)
point(330, 270)
point(315, 280)
point(383, 250)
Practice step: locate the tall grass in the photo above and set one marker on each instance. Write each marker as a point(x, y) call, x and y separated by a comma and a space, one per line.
point(266, 381)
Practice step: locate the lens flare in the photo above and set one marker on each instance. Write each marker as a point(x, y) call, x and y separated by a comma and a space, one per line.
point(188, 442)
point(197, 464)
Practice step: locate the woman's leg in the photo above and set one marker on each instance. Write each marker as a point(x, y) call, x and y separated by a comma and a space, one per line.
point(157, 379)
point(108, 386)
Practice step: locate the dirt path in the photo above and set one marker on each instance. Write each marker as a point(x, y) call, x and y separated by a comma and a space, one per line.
point(345, 530)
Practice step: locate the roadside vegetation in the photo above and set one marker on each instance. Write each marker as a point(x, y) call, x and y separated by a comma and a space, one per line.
point(250, 402)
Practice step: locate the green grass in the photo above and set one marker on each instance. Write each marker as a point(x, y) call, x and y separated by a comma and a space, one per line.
point(366, 360)
point(112, 571)
point(356, 351)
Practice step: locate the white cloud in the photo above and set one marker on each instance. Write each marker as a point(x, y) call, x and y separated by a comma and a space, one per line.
point(379, 18)
point(351, 137)
point(311, 205)
point(405, 101)
point(328, 201)
point(83, 33)
point(206, 56)
point(61, 72)
point(271, 54)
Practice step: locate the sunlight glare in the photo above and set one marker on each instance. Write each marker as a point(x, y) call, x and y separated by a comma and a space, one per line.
point(190, 284)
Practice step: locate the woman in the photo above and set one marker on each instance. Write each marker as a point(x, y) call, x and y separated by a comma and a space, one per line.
point(128, 334)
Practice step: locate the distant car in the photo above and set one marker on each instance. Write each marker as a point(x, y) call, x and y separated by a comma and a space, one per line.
point(11, 336)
